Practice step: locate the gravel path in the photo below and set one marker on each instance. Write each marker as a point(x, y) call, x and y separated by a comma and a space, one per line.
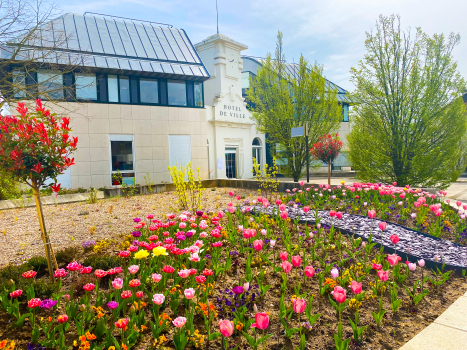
point(411, 242)
point(72, 224)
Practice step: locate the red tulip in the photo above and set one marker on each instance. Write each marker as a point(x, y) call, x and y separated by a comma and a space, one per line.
point(258, 245)
point(339, 294)
point(377, 267)
point(296, 260)
point(332, 213)
point(394, 239)
point(286, 266)
point(62, 318)
point(284, 255)
point(261, 321)
point(339, 215)
point(309, 271)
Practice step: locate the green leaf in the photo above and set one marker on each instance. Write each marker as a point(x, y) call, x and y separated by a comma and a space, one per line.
point(214, 335)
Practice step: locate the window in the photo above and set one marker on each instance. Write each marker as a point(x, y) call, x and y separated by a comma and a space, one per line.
point(179, 150)
point(124, 83)
point(19, 83)
point(199, 94)
point(122, 159)
point(257, 151)
point(176, 92)
point(50, 84)
point(112, 84)
point(345, 113)
point(86, 87)
point(245, 80)
point(149, 92)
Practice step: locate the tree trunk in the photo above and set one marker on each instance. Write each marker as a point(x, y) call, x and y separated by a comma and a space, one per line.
point(45, 237)
point(329, 173)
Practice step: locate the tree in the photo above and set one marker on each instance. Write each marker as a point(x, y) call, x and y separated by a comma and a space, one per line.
point(29, 42)
point(280, 101)
point(34, 147)
point(326, 150)
point(410, 124)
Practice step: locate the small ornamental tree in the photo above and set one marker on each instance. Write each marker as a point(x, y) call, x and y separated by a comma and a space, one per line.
point(35, 146)
point(326, 150)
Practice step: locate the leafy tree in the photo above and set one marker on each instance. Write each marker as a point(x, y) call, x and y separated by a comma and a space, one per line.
point(280, 101)
point(326, 150)
point(410, 124)
point(34, 147)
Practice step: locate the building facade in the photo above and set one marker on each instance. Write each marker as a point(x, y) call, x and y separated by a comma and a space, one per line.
point(250, 67)
point(232, 138)
point(134, 97)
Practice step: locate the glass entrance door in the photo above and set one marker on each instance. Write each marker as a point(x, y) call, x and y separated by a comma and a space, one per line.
point(231, 163)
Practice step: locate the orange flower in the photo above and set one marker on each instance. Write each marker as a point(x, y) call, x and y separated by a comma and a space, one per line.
point(3, 343)
point(124, 347)
point(82, 339)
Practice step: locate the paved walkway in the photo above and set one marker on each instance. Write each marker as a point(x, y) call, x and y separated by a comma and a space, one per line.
point(447, 332)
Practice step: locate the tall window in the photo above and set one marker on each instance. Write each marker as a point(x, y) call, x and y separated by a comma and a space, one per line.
point(257, 151)
point(149, 92)
point(19, 83)
point(124, 89)
point(122, 159)
point(86, 87)
point(112, 83)
point(198, 91)
point(345, 113)
point(50, 84)
point(176, 92)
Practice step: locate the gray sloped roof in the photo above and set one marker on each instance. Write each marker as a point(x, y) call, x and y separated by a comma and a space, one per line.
point(251, 64)
point(115, 43)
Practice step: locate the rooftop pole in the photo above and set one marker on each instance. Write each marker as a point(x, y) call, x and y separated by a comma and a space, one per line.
point(217, 12)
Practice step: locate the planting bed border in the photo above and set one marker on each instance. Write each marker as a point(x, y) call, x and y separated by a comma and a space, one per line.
point(448, 260)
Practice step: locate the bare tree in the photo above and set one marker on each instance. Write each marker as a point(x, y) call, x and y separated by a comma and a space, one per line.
point(34, 58)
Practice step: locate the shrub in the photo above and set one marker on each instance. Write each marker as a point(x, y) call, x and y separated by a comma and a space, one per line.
point(38, 263)
point(44, 289)
point(103, 262)
point(189, 192)
point(9, 187)
point(66, 255)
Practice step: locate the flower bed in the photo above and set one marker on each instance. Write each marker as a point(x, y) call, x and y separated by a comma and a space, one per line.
point(233, 278)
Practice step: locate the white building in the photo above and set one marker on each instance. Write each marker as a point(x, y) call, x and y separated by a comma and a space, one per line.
point(232, 138)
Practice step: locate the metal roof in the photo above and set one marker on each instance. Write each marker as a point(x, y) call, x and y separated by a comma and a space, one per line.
point(292, 69)
point(115, 43)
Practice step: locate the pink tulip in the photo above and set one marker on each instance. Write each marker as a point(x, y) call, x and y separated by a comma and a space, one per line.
point(394, 259)
point(339, 294)
point(258, 245)
point(226, 327)
point(158, 299)
point(261, 321)
point(421, 262)
point(296, 260)
point(309, 271)
point(334, 273)
point(371, 214)
point(356, 287)
point(286, 266)
point(184, 273)
point(284, 255)
point(189, 293)
point(382, 225)
point(339, 215)
point(156, 277)
point(246, 287)
point(383, 275)
point(117, 283)
point(298, 305)
point(306, 209)
point(179, 322)
point(284, 215)
point(332, 213)
point(458, 203)
point(412, 266)
point(133, 269)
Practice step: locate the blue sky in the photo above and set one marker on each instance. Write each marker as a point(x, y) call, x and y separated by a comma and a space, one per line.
point(330, 32)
